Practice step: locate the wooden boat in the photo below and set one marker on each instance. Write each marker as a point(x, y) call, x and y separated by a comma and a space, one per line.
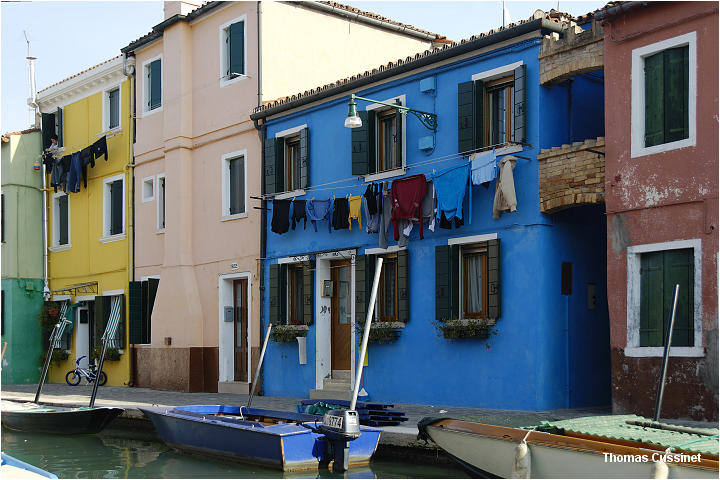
point(11, 467)
point(488, 449)
point(282, 440)
point(33, 417)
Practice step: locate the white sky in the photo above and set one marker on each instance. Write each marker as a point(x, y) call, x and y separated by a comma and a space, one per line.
point(68, 37)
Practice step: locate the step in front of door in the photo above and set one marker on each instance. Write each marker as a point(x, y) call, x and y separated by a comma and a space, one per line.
point(237, 388)
point(331, 394)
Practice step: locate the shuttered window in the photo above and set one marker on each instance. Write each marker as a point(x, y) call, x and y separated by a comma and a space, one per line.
point(286, 163)
point(102, 309)
point(235, 50)
point(392, 300)
point(666, 96)
point(141, 303)
point(59, 130)
point(114, 108)
point(659, 273)
point(48, 128)
point(237, 185)
point(153, 76)
point(377, 145)
point(62, 230)
point(291, 294)
point(116, 207)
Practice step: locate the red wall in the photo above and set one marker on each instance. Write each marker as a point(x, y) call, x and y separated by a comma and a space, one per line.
point(662, 197)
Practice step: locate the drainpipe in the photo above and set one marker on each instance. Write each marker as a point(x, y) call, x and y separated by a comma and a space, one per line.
point(259, 54)
point(129, 71)
point(46, 288)
point(263, 203)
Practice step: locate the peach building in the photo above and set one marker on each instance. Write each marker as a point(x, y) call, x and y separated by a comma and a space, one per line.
point(199, 74)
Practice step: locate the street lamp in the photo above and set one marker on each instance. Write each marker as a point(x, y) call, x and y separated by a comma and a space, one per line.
point(429, 120)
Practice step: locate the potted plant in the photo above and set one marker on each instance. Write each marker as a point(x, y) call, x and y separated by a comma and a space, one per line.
point(287, 333)
point(111, 354)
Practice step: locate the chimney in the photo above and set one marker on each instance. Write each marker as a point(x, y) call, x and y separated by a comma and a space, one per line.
point(180, 8)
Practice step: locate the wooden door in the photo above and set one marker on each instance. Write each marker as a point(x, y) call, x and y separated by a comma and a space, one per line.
point(240, 345)
point(341, 315)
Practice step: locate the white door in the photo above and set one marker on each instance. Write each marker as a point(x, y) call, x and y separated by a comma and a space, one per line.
point(82, 335)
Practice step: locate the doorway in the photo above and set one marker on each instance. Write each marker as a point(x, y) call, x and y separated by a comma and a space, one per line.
point(341, 315)
point(240, 331)
point(82, 335)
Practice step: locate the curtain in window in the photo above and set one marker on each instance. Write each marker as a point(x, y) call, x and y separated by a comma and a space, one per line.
point(390, 291)
point(475, 280)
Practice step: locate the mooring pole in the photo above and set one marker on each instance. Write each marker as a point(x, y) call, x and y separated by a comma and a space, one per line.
point(47, 361)
point(668, 342)
point(96, 383)
point(257, 371)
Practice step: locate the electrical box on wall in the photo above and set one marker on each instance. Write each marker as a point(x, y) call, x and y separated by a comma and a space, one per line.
point(328, 288)
point(229, 311)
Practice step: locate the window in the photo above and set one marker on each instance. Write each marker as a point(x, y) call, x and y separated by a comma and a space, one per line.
point(107, 308)
point(286, 161)
point(113, 207)
point(2, 218)
point(387, 305)
point(491, 109)
point(61, 220)
point(467, 279)
point(161, 204)
point(148, 189)
point(152, 90)
point(653, 272)
point(112, 109)
point(232, 51)
point(141, 303)
point(234, 185)
point(291, 293)
point(296, 312)
point(392, 302)
point(52, 124)
point(664, 90)
point(378, 145)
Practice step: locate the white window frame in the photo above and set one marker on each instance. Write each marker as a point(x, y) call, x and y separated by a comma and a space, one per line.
point(56, 247)
point(397, 171)
point(106, 109)
point(223, 32)
point(146, 86)
point(298, 191)
point(637, 127)
point(148, 181)
point(107, 206)
point(161, 204)
point(633, 348)
point(225, 178)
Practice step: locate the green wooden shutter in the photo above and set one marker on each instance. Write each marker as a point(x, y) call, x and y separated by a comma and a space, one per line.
point(48, 128)
point(280, 165)
point(304, 158)
point(119, 339)
point(654, 100)
point(236, 35)
point(135, 311)
point(403, 287)
point(651, 299)
point(364, 275)
point(59, 126)
point(155, 84)
point(399, 120)
point(493, 278)
point(153, 284)
point(63, 207)
point(308, 293)
point(269, 167)
point(466, 115)
point(679, 269)
point(278, 294)
point(116, 207)
point(447, 274)
point(675, 80)
point(479, 114)
point(363, 144)
point(102, 311)
point(144, 293)
point(519, 109)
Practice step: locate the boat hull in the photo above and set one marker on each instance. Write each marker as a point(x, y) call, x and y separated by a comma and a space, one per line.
point(286, 447)
point(11, 467)
point(491, 449)
point(58, 420)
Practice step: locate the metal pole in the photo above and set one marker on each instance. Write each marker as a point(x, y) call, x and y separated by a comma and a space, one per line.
point(47, 361)
point(366, 332)
point(257, 371)
point(97, 375)
point(668, 342)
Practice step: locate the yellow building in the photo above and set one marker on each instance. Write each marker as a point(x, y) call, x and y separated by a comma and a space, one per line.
point(90, 226)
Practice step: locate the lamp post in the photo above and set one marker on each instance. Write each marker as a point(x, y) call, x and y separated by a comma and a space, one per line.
point(429, 120)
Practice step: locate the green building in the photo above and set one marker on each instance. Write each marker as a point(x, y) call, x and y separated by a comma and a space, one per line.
point(22, 256)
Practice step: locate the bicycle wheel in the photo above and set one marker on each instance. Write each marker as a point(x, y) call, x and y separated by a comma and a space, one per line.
point(103, 379)
point(72, 378)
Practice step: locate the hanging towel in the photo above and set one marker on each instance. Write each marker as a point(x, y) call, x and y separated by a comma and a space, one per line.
point(484, 167)
point(99, 148)
point(505, 200)
point(406, 197)
point(450, 186)
point(354, 204)
point(299, 210)
point(318, 211)
point(341, 214)
point(281, 216)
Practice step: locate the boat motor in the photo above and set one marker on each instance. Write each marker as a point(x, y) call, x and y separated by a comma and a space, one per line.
point(340, 427)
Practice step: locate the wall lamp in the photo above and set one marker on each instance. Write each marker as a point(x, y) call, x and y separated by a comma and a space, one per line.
point(429, 120)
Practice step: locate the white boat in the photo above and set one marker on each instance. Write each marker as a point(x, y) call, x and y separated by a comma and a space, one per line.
point(488, 449)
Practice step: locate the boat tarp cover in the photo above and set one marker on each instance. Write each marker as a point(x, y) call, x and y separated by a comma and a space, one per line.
point(615, 426)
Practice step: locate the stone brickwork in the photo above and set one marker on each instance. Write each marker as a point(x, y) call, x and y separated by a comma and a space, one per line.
point(572, 175)
point(578, 51)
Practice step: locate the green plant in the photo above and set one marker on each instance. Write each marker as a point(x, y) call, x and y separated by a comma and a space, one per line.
point(56, 358)
point(49, 315)
point(287, 333)
point(459, 329)
point(111, 354)
point(379, 332)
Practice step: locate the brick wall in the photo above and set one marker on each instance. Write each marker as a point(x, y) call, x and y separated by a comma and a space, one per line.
point(572, 175)
point(577, 52)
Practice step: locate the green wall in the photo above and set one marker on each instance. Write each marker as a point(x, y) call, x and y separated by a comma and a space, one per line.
point(21, 330)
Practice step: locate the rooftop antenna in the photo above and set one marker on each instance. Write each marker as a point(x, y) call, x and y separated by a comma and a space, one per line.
point(32, 94)
point(503, 24)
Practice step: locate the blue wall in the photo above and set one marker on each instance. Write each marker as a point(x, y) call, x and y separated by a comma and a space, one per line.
point(524, 365)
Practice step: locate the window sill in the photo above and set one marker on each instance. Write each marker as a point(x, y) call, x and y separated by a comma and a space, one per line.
point(294, 326)
point(225, 81)
point(292, 194)
point(113, 238)
point(467, 321)
point(234, 216)
point(147, 113)
point(663, 147)
point(60, 248)
point(660, 351)
point(387, 325)
point(514, 148)
point(160, 231)
point(114, 130)
point(383, 175)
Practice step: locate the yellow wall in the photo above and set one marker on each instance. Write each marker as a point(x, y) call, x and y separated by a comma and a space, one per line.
point(89, 259)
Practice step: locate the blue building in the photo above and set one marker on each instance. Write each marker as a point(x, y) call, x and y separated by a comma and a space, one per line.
point(507, 312)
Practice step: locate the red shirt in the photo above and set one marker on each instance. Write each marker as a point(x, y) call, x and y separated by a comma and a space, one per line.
point(406, 196)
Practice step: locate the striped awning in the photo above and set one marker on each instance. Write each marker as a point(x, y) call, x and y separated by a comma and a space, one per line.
point(114, 319)
point(64, 322)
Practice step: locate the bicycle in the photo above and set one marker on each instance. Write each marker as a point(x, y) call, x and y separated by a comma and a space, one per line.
point(73, 377)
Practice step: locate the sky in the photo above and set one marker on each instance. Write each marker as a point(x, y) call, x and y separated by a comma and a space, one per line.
point(68, 37)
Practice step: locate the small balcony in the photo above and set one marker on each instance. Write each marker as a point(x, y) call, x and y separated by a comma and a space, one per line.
point(578, 51)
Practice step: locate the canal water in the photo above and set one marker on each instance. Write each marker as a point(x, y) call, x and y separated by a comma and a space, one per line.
point(113, 455)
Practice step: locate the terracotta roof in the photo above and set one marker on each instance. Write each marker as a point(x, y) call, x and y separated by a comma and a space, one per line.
point(21, 132)
point(327, 89)
point(80, 73)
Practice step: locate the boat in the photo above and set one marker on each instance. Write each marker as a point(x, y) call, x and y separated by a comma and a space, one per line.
point(286, 441)
point(33, 417)
point(614, 446)
point(11, 467)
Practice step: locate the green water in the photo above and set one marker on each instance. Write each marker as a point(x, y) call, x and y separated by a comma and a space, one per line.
point(114, 455)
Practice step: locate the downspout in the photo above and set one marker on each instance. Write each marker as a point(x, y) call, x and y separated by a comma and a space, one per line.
point(46, 288)
point(263, 203)
point(129, 72)
point(259, 54)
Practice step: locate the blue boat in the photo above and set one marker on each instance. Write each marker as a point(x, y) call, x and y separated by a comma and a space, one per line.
point(276, 439)
point(11, 467)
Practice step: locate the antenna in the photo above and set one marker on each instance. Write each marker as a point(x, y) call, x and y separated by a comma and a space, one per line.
point(503, 9)
point(32, 97)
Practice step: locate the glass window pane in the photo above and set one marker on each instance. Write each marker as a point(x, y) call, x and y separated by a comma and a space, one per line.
point(114, 101)
point(475, 281)
point(497, 116)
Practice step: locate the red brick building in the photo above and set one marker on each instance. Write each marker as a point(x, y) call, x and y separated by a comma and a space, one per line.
point(661, 194)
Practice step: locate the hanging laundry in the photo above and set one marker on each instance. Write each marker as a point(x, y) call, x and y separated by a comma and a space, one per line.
point(372, 220)
point(483, 167)
point(448, 224)
point(505, 200)
point(406, 197)
point(385, 220)
point(86, 158)
point(73, 176)
point(341, 214)
point(428, 215)
point(318, 211)
point(450, 186)
point(299, 213)
point(48, 162)
point(100, 148)
point(281, 216)
point(371, 199)
point(354, 204)
point(58, 176)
